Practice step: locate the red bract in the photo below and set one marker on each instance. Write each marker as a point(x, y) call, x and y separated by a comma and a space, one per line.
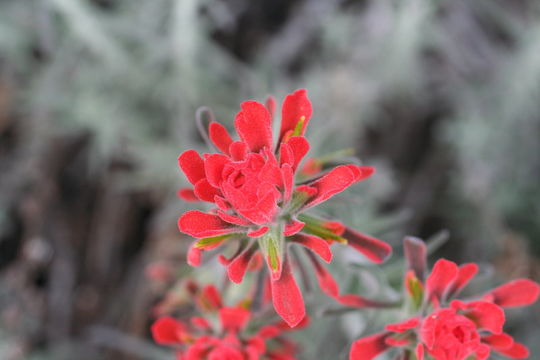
point(448, 329)
point(251, 183)
point(221, 334)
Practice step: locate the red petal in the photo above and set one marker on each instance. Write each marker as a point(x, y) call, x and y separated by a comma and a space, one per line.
point(194, 256)
point(187, 194)
point(334, 226)
point(269, 331)
point(209, 299)
point(403, 326)
point(220, 137)
point(192, 165)
point(258, 232)
point(199, 224)
point(295, 106)
point(369, 347)
point(271, 172)
point(233, 318)
point(287, 298)
point(362, 172)
point(238, 150)
point(331, 183)
point(255, 347)
point(499, 341)
point(465, 273)
point(307, 190)
point(392, 341)
point(315, 244)
point(442, 275)
point(213, 166)
point(253, 124)
point(374, 249)
point(361, 302)
point(286, 155)
point(200, 323)
point(520, 292)
point(221, 203)
point(293, 227)
point(517, 351)
point(300, 147)
point(326, 281)
point(206, 192)
point(263, 212)
point(233, 219)
point(419, 352)
point(485, 315)
point(238, 267)
point(288, 182)
point(167, 331)
point(271, 105)
point(415, 253)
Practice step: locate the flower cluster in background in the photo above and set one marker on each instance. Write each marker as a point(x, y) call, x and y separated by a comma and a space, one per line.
point(263, 203)
point(442, 327)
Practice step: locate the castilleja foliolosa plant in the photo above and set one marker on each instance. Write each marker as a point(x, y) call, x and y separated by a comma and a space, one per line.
point(262, 202)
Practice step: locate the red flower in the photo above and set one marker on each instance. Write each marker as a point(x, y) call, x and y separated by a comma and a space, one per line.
point(454, 330)
point(202, 339)
point(251, 182)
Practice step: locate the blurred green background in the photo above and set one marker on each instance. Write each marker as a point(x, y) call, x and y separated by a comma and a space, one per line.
point(97, 99)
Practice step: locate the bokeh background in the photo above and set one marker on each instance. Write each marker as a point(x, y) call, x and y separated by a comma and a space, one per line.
point(97, 99)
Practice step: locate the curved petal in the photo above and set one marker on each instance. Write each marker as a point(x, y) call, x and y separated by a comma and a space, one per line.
point(199, 224)
point(465, 273)
point(209, 299)
point(416, 255)
point(295, 107)
point(293, 227)
point(442, 275)
point(192, 165)
point(187, 194)
point(499, 341)
point(194, 256)
point(287, 298)
point(403, 326)
point(204, 191)
point(254, 125)
point(331, 183)
point(258, 232)
point(234, 318)
point(369, 347)
point(520, 292)
point(326, 282)
point(315, 244)
point(238, 266)
point(516, 351)
point(362, 302)
point(485, 315)
point(167, 331)
point(299, 147)
point(220, 137)
point(238, 150)
point(213, 166)
point(374, 249)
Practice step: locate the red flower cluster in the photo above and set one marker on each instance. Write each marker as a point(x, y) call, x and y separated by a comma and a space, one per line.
point(251, 182)
point(448, 329)
point(222, 333)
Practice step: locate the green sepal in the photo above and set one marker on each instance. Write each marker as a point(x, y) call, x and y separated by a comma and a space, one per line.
point(299, 126)
point(314, 226)
point(272, 245)
point(298, 200)
point(212, 242)
point(415, 290)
